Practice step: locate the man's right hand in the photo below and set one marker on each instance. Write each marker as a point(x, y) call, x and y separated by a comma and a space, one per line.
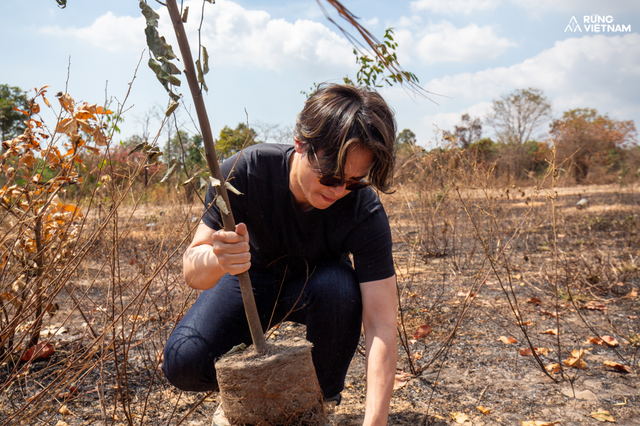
point(232, 249)
point(212, 254)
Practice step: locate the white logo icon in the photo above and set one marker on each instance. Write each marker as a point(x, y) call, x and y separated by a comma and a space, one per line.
point(573, 26)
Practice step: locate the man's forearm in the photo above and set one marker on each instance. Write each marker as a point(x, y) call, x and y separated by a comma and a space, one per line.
point(382, 353)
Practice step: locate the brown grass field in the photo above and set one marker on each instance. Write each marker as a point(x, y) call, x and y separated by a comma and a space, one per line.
point(476, 262)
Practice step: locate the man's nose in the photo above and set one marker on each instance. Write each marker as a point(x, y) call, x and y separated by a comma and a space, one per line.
point(339, 190)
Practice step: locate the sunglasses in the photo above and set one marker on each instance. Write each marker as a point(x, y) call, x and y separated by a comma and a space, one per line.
point(334, 180)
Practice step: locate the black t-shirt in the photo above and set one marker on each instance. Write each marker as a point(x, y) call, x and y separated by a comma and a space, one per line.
point(285, 239)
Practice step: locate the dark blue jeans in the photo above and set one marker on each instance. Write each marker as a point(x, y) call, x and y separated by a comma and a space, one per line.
point(328, 303)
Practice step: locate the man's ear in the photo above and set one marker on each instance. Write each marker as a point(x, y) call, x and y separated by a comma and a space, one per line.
point(299, 146)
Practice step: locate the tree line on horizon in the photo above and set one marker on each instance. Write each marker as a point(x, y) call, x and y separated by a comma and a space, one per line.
point(589, 147)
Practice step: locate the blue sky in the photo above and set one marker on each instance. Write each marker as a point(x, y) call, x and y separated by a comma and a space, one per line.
point(264, 53)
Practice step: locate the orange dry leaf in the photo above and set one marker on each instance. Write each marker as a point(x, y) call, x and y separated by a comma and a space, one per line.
point(465, 294)
point(483, 410)
point(550, 331)
point(553, 368)
point(459, 417)
point(575, 360)
point(539, 351)
point(602, 416)
point(632, 294)
point(618, 367)
point(417, 355)
point(528, 322)
point(41, 350)
point(538, 423)
point(594, 341)
point(535, 301)
point(400, 380)
point(593, 305)
point(508, 340)
point(422, 331)
point(550, 313)
point(610, 340)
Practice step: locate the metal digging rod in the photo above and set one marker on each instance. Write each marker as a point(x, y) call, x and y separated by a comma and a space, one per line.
point(210, 152)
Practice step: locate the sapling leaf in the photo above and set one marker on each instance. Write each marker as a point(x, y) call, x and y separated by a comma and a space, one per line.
point(232, 188)
point(172, 107)
point(185, 15)
point(169, 67)
point(222, 205)
point(150, 15)
point(169, 172)
point(214, 182)
point(203, 184)
point(158, 44)
point(188, 181)
point(201, 75)
point(205, 60)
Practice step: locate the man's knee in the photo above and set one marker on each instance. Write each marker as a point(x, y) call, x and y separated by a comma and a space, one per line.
point(188, 368)
point(336, 283)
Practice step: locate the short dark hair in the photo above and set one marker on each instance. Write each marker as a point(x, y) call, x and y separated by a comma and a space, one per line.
point(337, 117)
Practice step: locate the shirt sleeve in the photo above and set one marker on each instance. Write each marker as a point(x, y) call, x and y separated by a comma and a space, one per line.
point(371, 246)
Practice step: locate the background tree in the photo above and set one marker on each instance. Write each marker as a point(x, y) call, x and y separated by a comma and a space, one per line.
point(468, 131)
point(516, 117)
point(590, 143)
point(11, 121)
point(233, 140)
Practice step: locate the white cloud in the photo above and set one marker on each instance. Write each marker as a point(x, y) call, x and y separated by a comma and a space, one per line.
point(454, 7)
point(589, 72)
point(585, 7)
point(577, 65)
point(445, 43)
point(232, 35)
point(252, 38)
point(110, 32)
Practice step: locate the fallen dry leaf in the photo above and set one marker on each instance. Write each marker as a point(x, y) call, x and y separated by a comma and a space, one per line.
point(553, 368)
point(483, 410)
point(632, 316)
point(535, 301)
point(618, 367)
point(417, 355)
point(595, 306)
point(62, 423)
point(602, 416)
point(41, 350)
point(550, 313)
point(528, 322)
point(575, 360)
point(400, 380)
point(422, 331)
point(611, 341)
point(632, 294)
point(550, 331)
point(465, 294)
point(595, 341)
point(529, 352)
point(459, 417)
point(508, 340)
point(538, 423)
